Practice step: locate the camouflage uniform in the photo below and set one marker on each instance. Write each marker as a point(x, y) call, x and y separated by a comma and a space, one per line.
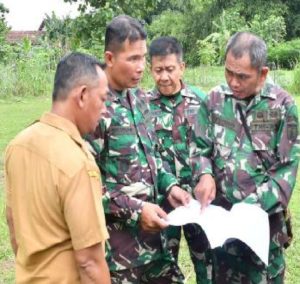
point(132, 171)
point(174, 120)
point(261, 172)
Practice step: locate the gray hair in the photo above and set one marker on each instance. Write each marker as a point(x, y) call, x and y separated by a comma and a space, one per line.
point(73, 70)
point(248, 43)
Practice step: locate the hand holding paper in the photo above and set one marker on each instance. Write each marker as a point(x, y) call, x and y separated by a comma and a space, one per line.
point(245, 222)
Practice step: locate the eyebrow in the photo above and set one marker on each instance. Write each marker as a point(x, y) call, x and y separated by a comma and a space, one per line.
point(236, 73)
point(165, 67)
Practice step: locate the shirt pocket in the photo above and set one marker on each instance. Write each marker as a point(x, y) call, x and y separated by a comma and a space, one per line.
point(123, 160)
point(264, 145)
point(223, 143)
point(163, 131)
point(191, 114)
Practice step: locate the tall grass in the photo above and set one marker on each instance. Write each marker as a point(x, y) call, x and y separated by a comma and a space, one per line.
point(28, 70)
point(295, 86)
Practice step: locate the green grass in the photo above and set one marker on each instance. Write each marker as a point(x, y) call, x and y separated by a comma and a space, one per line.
point(18, 112)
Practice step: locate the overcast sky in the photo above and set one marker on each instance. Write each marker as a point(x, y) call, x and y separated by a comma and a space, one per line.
point(28, 14)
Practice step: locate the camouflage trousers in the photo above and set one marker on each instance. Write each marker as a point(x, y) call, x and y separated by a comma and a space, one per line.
point(161, 271)
point(197, 244)
point(236, 263)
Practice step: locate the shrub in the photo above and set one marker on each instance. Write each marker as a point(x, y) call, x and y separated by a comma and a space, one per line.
point(285, 55)
point(272, 29)
point(206, 52)
point(29, 70)
point(295, 88)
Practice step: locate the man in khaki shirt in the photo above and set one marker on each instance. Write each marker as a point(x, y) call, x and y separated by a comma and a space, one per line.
point(54, 213)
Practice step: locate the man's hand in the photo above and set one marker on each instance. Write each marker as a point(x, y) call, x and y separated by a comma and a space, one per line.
point(152, 218)
point(205, 190)
point(177, 196)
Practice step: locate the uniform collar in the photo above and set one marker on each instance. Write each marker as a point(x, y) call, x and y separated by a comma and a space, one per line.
point(264, 92)
point(185, 92)
point(114, 95)
point(63, 124)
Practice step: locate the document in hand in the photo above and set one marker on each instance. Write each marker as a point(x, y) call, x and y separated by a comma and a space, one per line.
point(245, 222)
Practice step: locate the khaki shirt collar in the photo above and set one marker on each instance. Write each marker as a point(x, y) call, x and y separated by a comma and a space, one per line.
point(63, 124)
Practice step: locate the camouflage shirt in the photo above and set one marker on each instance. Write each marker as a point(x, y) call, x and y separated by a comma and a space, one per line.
point(125, 149)
point(261, 171)
point(174, 120)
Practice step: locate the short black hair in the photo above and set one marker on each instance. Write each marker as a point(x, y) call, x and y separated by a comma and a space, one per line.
point(164, 46)
point(121, 28)
point(248, 43)
point(74, 69)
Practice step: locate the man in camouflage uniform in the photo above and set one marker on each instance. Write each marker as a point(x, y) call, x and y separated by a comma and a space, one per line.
point(174, 106)
point(125, 149)
point(251, 128)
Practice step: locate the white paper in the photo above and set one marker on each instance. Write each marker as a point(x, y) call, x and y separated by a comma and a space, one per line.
point(245, 222)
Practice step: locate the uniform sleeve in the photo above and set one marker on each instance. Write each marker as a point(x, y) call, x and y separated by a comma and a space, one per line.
point(83, 211)
point(202, 141)
point(117, 205)
point(274, 193)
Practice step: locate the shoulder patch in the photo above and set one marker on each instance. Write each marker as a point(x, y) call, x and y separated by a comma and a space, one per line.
point(93, 174)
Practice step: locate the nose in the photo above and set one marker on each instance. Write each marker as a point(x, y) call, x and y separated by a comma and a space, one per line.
point(164, 76)
point(234, 82)
point(103, 109)
point(141, 65)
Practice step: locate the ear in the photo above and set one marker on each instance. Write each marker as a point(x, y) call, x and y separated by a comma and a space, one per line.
point(182, 66)
point(81, 96)
point(264, 73)
point(109, 58)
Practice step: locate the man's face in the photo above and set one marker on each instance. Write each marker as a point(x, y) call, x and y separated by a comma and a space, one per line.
point(126, 66)
point(242, 78)
point(95, 102)
point(167, 73)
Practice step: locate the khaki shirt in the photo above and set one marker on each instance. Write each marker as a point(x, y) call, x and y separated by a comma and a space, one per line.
point(53, 189)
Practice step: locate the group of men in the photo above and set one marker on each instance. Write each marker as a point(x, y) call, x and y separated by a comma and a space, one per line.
point(155, 151)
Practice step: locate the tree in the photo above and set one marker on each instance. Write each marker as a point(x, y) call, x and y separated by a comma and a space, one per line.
point(292, 19)
point(192, 21)
point(3, 31)
point(58, 31)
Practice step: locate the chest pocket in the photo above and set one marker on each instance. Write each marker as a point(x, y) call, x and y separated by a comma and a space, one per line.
point(122, 155)
point(263, 129)
point(264, 135)
point(191, 114)
point(122, 140)
point(264, 143)
point(163, 123)
point(224, 133)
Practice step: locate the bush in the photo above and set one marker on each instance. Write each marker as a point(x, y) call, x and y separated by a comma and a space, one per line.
point(272, 29)
point(206, 52)
point(285, 55)
point(29, 70)
point(295, 88)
